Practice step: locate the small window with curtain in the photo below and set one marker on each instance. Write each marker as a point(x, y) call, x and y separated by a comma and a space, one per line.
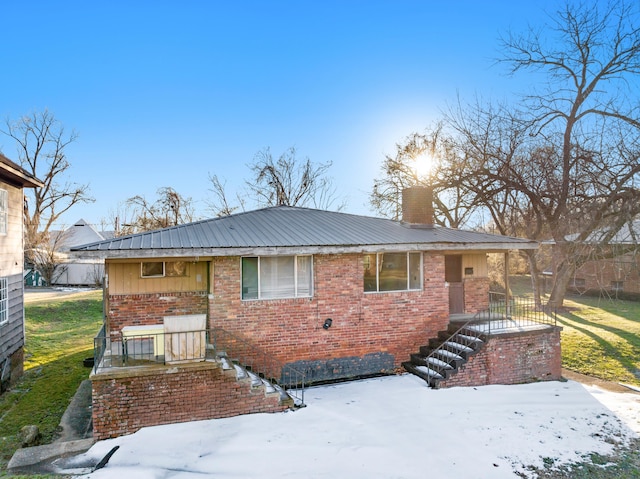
point(160, 269)
point(385, 272)
point(277, 277)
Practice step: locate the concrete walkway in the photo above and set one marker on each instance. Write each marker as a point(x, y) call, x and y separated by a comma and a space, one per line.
point(76, 438)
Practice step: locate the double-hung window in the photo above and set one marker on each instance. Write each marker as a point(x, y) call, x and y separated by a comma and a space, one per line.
point(274, 277)
point(4, 300)
point(392, 272)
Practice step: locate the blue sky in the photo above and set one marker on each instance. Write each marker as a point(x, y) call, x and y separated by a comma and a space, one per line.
point(167, 93)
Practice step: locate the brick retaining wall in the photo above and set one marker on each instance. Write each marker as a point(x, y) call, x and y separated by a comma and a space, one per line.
point(125, 400)
point(513, 358)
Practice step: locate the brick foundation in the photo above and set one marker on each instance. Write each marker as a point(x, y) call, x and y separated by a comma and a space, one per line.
point(125, 400)
point(513, 358)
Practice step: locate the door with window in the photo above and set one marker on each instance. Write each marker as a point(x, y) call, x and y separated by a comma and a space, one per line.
point(453, 276)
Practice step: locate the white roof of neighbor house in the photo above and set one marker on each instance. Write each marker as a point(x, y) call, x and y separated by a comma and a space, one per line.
point(628, 234)
point(79, 234)
point(280, 229)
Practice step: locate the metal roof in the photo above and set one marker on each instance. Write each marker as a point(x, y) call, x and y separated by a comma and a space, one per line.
point(279, 228)
point(628, 234)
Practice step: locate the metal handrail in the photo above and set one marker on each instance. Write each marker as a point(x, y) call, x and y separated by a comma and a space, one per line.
point(99, 347)
point(517, 315)
point(149, 348)
point(251, 357)
point(465, 343)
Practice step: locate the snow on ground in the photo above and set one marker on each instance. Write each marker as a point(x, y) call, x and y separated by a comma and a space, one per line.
point(391, 427)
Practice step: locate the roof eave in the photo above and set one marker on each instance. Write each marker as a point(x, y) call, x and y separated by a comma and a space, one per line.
point(18, 176)
point(288, 250)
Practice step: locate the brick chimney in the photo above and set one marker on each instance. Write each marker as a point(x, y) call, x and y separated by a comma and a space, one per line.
point(417, 207)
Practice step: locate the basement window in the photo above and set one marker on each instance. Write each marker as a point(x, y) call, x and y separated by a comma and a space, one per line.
point(277, 277)
point(392, 272)
point(617, 285)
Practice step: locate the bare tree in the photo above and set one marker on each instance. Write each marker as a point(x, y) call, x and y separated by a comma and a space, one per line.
point(453, 204)
point(42, 142)
point(566, 160)
point(221, 205)
point(281, 181)
point(45, 257)
point(287, 181)
point(169, 209)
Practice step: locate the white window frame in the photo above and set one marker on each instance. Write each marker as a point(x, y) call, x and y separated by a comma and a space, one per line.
point(408, 283)
point(296, 292)
point(4, 212)
point(4, 300)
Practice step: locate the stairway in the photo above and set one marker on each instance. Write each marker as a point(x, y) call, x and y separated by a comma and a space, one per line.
point(257, 381)
point(444, 355)
point(251, 364)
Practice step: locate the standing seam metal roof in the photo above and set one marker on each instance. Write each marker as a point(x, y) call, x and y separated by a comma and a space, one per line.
point(285, 226)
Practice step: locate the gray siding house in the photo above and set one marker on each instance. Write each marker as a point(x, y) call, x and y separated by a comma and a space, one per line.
point(13, 180)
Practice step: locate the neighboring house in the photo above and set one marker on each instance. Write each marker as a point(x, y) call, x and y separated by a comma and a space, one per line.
point(72, 271)
point(297, 295)
point(13, 180)
point(610, 265)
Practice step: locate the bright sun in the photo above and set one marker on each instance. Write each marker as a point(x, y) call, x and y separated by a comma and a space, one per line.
point(423, 165)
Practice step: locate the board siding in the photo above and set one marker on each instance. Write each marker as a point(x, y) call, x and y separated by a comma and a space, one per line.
point(124, 278)
point(12, 332)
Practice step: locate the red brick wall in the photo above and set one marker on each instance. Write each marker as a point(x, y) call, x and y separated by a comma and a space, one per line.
point(372, 325)
point(598, 275)
point(146, 309)
point(513, 358)
point(476, 294)
point(126, 402)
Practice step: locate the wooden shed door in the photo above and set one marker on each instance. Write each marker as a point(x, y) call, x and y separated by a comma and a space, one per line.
point(453, 276)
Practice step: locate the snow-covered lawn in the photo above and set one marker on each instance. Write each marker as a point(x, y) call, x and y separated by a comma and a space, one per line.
point(391, 427)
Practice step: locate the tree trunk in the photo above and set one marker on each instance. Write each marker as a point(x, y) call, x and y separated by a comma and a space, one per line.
point(535, 277)
point(561, 279)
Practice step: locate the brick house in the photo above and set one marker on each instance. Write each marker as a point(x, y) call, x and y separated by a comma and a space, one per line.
point(295, 294)
point(612, 267)
point(13, 180)
point(609, 265)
